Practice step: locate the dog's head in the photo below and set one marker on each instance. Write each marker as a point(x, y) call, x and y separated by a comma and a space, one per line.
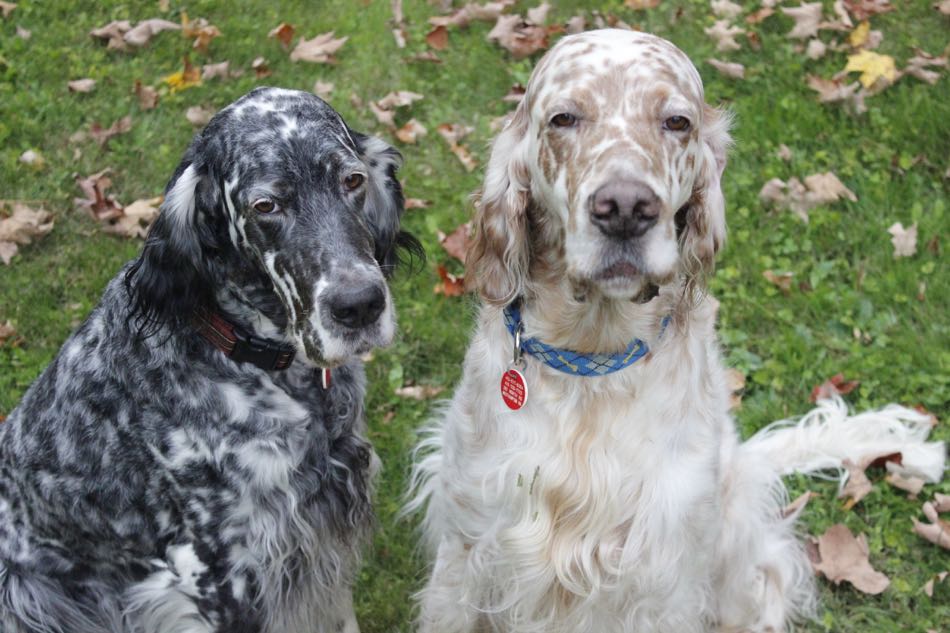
point(615, 147)
point(280, 205)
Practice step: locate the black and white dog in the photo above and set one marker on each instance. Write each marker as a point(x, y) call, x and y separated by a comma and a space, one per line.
point(182, 465)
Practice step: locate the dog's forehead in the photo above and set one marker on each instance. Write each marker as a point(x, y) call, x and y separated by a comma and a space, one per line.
point(578, 60)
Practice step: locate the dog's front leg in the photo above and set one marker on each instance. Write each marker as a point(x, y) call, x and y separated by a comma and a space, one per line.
point(443, 607)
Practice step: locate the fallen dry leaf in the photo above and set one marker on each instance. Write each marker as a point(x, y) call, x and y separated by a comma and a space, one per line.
point(520, 38)
point(97, 203)
point(199, 115)
point(844, 557)
point(576, 24)
point(399, 30)
point(729, 69)
point(283, 33)
point(816, 49)
point(904, 240)
point(386, 117)
point(860, 34)
point(873, 67)
point(539, 14)
point(102, 135)
point(917, 66)
point(322, 89)
point(425, 56)
point(22, 33)
point(641, 5)
point(438, 38)
point(838, 90)
point(143, 32)
point(260, 68)
point(783, 281)
point(81, 85)
point(858, 485)
point(200, 31)
point(452, 133)
point(928, 588)
point(937, 531)
point(900, 477)
point(112, 33)
point(797, 505)
point(800, 198)
point(417, 203)
point(725, 35)
point(186, 78)
point(825, 188)
point(471, 12)
point(451, 285)
point(784, 153)
point(941, 502)
point(419, 392)
point(7, 331)
point(725, 9)
point(21, 227)
point(863, 9)
point(411, 131)
point(456, 243)
point(7, 8)
point(807, 17)
point(147, 96)
point(399, 99)
point(220, 70)
point(319, 50)
point(834, 386)
point(760, 15)
point(135, 219)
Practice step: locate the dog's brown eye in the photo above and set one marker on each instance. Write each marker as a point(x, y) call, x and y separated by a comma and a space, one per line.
point(265, 206)
point(354, 181)
point(564, 119)
point(676, 124)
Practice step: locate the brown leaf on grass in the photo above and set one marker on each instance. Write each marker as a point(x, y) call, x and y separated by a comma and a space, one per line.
point(322, 89)
point(147, 96)
point(863, 9)
point(438, 38)
point(135, 219)
point(834, 386)
point(200, 30)
point(81, 85)
point(417, 203)
point(452, 133)
point(917, 66)
point(941, 502)
point(928, 587)
point(113, 33)
point(844, 557)
point(400, 33)
point(19, 226)
point(386, 117)
point(825, 188)
point(877, 71)
point(102, 135)
point(904, 240)
point(283, 33)
point(411, 131)
point(807, 17)
point(782, 281)
point(520, 38)
point(7, 8)
point(816, 49)
point(456, 243)
point(199, 116)
point(471, 12)
point(798, 504)
point(33, 158)
point(539, 14)
point(399, 99)
point(729, 69)
point(900, 477)
point(735, 382)
point(451, 285)
point(319, 50)
point(143, 32)
point(836, 90)
point(858, 484)
point(784, 153)
point(725, 35)
point(576, 24)
point(22, 33)
point(185, 78)
point(221, 70)
point(758, 16)
point(97, 203)
point(7, 331)
point(425, 56)
point(937, 531)
point(260, 68)
point(419, 392)
point(725, 9)
point(641, 5)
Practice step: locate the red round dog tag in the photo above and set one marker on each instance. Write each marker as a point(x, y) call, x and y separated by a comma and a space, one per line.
point(514, 389)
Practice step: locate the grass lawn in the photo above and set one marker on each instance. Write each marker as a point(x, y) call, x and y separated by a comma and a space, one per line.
point(851, 307)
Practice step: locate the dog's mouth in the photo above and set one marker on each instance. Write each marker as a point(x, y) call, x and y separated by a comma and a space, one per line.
point(618, 271)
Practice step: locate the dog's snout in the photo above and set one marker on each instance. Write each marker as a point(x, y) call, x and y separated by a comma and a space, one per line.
point(357, 307)
point(624, 208)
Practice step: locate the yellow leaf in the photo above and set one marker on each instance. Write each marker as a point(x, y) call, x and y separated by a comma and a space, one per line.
point(190, 76)
point(859, 35)
point(872, 66)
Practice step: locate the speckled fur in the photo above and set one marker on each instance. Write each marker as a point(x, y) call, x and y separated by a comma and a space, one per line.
point(148, 484)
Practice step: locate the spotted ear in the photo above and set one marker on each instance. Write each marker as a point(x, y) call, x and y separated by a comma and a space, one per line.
point(497, 259)
point(385, 205)
point(703, 225)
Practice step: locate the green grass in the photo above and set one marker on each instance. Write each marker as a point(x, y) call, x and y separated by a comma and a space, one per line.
point(858, 313)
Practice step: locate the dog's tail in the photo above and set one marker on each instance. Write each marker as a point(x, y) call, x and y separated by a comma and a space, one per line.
point(829, 434)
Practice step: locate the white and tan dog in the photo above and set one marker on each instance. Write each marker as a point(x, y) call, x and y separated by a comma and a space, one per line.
point(609, 503)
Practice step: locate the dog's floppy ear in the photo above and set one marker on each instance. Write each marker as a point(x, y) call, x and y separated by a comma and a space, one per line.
point(171, 278)
point(385, 204)
point(703, 227)
point(498, 256)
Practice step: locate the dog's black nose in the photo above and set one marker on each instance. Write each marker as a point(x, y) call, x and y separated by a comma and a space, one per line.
point(624, 208)
point(357, 307)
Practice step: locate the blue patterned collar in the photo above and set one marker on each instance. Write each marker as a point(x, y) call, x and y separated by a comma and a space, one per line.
point(576, 363)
